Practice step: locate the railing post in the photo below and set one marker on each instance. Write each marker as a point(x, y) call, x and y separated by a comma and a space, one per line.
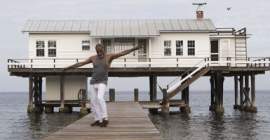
point(228, 61)
point(112, 94)
point(136, 94)
point(125, 60)
point(149, 62)
point(53, 63)
point(248, 60)
point(31, 63)
point(177, 62)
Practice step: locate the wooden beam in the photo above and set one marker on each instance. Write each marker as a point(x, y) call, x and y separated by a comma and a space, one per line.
point(236, 90)
point(111, 94)
point(40, 90)
point(153, 87)
point(62, 94)
point(136, 94)
point(253, 90)
point(247, 101)
point(30, 97)
point(241, 90)
point(212, 90)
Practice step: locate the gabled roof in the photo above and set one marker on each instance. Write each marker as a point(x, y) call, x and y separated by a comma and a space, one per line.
point(119, 27)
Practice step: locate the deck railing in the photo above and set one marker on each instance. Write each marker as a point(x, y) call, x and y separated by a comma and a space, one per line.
point(188, 62)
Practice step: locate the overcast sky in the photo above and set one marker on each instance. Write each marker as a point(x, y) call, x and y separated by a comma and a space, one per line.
point(244, 13)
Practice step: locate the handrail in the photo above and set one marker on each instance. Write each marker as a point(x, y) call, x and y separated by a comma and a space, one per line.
point(187, 71)
point(188, 62)
point(186, 77)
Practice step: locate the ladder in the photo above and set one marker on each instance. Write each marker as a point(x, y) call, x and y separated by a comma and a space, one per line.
point(241, 45)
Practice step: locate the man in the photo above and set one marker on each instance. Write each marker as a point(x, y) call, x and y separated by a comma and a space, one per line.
point(101, 64)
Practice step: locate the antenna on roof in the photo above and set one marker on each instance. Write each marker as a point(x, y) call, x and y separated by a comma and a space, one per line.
point(199, 12)
point(199, 5)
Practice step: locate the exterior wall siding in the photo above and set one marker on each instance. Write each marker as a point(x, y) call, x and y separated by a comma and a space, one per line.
point(72, 85)
point(67, 45)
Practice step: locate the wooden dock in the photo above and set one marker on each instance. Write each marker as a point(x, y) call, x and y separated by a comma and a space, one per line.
point(128, 121)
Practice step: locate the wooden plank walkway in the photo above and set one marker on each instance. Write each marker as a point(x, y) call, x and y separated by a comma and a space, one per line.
point(128, 121)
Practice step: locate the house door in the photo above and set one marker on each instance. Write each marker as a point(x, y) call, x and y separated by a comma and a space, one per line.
point(142, 53)
point(214, 50)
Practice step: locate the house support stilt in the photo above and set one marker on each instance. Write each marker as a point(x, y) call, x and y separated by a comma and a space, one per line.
point(63, 108)
point(216, 82)
point(35, 95)
point(153, 91)
point(165, 109)
point(185, 98)
point(247, 93)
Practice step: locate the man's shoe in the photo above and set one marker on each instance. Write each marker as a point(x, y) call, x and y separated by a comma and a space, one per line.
point(104, 123)
point(96, 123)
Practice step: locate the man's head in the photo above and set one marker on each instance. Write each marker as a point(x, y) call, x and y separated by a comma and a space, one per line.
point(100, 50)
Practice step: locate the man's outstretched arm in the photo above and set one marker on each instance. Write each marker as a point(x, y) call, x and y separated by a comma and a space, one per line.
point(125, 52)
point(79, 64)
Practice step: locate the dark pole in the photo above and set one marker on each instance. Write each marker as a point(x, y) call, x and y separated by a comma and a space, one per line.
point(62, 92)
point(241, 91)
point(30, 98)
point(235, 92)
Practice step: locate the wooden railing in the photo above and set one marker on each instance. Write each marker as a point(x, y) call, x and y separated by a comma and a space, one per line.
point(188, 62)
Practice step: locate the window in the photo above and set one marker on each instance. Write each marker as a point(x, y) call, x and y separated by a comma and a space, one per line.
point(40, 45)
point(86, 45)
point(167, 48)
point(121, 44)
point(179, 47)
point(191, 47)
point(52, 48)
point(108, 45)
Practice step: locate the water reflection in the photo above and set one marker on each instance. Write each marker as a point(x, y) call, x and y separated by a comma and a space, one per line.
point(207, 126)
point(200, 124)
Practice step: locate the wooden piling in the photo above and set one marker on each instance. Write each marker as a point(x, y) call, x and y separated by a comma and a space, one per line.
point(153, 92)
point(165, 109)
point(216, 82)
point(40, 90)
point(241, 92)
point(253, 108)
point(30, 97)
point(185, 98)
point(62, 108)
point(236, 105)
point(136, 94)
point(219, 92)
point(212, 90)
point(112, 95)
point(153, 87)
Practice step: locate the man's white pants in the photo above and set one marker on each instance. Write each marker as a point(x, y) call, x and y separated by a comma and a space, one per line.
point(98, 104)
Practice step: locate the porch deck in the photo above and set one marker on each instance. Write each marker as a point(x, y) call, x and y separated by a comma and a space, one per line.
point(130, 68)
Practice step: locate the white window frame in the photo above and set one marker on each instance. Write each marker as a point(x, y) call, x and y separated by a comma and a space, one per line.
point(85, 45)
point(52, 48)
point(167, 47)
point(40, 46)
point(179, 47)
point(191, 47)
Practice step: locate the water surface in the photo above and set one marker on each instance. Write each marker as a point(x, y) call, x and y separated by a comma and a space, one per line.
point(16, 124)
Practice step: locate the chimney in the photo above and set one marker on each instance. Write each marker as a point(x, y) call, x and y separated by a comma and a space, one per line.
point(199, 14)
point(199, 11)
